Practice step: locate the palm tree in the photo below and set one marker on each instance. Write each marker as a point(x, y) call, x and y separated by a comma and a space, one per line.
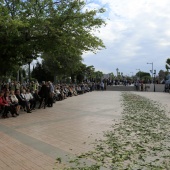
point(167, 66)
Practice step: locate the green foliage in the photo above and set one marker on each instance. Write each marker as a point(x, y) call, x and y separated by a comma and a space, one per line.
point(143, 75)
point(57, 29)
point(80, 77)
point(98, 75)
point(90, 72)
point(112, 76)
point(81, 72)
point(168, 61)
point(162, 74)
point(41, 73)
point(167, 66)
point(63, 66)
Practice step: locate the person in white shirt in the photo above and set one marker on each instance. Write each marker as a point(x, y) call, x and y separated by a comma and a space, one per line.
point(23, 94)
point(29, 97)
point(14, 101)
point(13, 97)
point(22, 100)
point(102, 85)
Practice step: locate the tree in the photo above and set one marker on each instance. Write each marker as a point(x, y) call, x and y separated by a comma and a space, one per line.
point(162, 75)
point(80, 72)
point(143, 75)
point(111, 75)
point(41, 72)
point(65, 65)
point(98, 75)
point(167, 66)
point(61, 28)
point(90, 72)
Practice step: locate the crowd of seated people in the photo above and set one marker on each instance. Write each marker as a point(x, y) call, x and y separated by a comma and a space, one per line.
point(63, 91)
point(28, 97)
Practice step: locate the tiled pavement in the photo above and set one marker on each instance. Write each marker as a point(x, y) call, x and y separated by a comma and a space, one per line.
point(34, 140)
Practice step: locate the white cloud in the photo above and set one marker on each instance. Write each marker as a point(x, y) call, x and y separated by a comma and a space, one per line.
point(164, 43)
point(167, 33)
point(137, 32)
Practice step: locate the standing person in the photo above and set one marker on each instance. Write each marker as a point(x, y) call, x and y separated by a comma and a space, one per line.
point(138, 85)
point(141, 86)
point(105, 85)
point(102, 85)
point(98, 86)
point(44, 94)
point(51, 94)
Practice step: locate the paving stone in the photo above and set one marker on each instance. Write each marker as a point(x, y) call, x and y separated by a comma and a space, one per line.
point(35, 140)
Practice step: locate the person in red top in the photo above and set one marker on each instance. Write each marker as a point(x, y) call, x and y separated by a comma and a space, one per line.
point(4, 105)
point(12, 106)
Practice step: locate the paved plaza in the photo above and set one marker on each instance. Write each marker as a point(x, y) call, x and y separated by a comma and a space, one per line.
point(34, 140)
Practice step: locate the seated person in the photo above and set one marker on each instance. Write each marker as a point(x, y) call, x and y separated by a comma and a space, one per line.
point(37, 98)
point(78, 89)
point(83, 88)
point(74, 91)
point(14, 101)
point(87, 89)
point(22, 101)
point(63, 93)
point(58, 93)
point(12, 108)
point(70, 91)
point(4, 105)
point(66, 91)
point(29, 97)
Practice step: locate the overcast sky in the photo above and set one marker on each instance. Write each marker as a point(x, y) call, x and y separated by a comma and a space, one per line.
point(137, 32)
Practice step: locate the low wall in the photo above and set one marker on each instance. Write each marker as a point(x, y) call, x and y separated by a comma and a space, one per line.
point(120, 88)
point(158, 88)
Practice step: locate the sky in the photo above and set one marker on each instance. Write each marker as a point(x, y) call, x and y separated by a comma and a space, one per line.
point(137, 33)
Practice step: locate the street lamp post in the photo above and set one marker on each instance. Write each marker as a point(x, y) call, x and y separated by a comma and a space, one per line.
point(117, 70)
point(154, 79)
point(152, 71)
point(132, 76)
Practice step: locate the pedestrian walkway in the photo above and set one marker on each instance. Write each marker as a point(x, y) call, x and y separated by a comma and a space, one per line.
point(34, 140)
